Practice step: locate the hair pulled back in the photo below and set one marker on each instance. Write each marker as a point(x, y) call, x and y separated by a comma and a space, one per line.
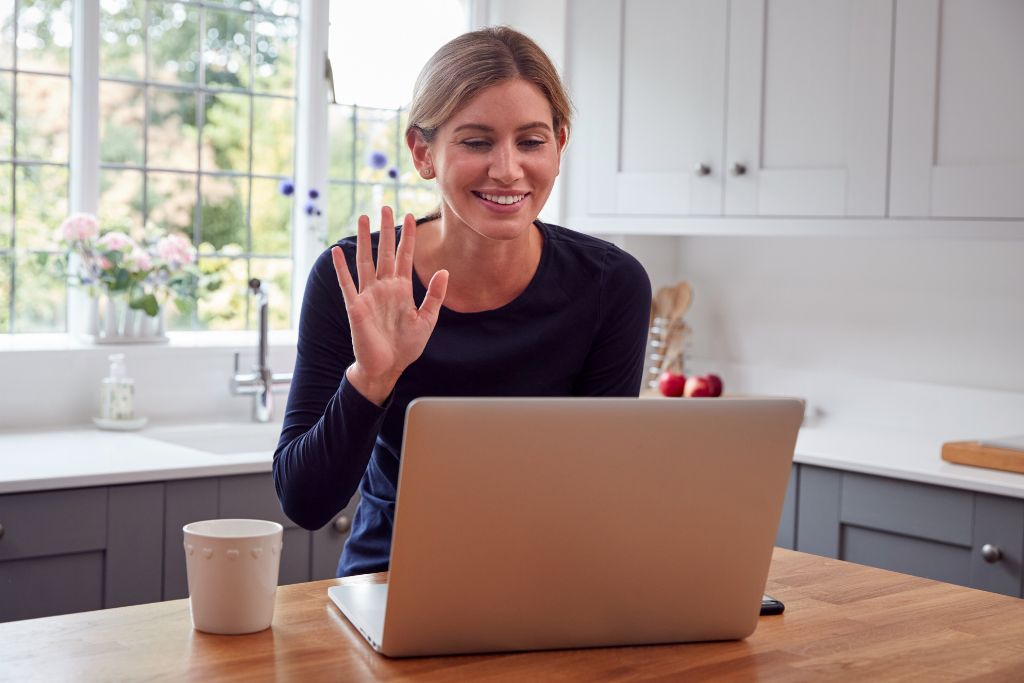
point(474, 61)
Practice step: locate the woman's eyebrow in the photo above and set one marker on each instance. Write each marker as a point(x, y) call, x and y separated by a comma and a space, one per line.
point(489, 129)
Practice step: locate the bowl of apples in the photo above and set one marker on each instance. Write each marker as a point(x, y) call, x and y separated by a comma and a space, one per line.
point(676, 384)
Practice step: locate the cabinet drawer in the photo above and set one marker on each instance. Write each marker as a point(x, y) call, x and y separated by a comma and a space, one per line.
point(45, 586)
point(920, 510)
point(53, 522)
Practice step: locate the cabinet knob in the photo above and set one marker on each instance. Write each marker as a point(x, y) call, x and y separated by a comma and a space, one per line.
point(738, 169)
point(1, 530)
point(991, 553)
point(702, 169)
point(342, 524)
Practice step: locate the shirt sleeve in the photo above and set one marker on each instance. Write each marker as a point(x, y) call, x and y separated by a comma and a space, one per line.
point(614, 365)
point(329, 428)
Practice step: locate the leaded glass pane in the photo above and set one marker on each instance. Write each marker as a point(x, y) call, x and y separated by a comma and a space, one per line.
point(42, 127)
point(121, 200)
point(6, 116)
point(44, 35)
point(172, 130)
point(226, 133)
point(6, 207)
point(340, 120)
point(225, 308)
point(271, 219)
point(122, 38)
point(276, 277)
point(171, 201)
point(40, 296)
point(273, 136)
point(276, 43)
point(224, 211)
point(41, 194)
point(122, 115)
point(226, 49)
point(6, 52)
point(173, 42)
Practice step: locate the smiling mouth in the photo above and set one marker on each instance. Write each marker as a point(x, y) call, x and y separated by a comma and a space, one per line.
point(501, 199)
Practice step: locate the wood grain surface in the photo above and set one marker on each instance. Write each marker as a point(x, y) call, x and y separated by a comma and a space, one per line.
point(843, 622)
point(990, 457)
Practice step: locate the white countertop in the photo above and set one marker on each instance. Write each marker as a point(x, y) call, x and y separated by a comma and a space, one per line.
point(888, 452)
point(72, 458)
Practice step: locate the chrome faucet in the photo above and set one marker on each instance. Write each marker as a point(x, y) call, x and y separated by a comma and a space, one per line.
point(261, 382)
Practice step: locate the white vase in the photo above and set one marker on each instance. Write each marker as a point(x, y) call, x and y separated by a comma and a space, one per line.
point(111, 321)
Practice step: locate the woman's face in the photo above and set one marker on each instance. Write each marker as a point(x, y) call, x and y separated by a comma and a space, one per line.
point(495, 160)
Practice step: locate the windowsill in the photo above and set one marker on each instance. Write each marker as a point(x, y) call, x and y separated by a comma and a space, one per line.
point(14, 343)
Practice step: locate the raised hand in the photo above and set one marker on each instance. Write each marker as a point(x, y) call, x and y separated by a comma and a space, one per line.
point(388, 331)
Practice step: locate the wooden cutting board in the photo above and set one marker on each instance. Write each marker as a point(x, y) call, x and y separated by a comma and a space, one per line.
point(973, 453)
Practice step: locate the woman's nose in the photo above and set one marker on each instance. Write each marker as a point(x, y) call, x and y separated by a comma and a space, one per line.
point(505, 166)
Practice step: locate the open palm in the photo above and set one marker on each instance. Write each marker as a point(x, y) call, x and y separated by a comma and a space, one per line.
point(388, 331)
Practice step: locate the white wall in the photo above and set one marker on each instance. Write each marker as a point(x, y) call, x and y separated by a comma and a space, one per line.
point(936, 311)
point(53, 382)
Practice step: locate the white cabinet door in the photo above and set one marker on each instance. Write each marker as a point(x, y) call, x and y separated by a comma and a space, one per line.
point(808, 107)
point(648, 78)
point(958, 109)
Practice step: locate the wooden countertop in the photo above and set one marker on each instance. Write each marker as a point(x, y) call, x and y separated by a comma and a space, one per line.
point(842, 622)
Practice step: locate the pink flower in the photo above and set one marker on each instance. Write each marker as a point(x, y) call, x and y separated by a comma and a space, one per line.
point(138, 261)
point(176, 250)
point(79, 227)
point(105, 264)
point(116, 241)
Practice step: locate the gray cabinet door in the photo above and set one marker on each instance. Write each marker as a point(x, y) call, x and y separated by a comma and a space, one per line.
point(188, 500)
point(329, 541)
point(786, 536)
point(252, 496)
point(931, 531)
point(51, 552)
point(135, 540)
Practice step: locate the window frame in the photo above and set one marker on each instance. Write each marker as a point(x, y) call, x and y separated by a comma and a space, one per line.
point(310, 130)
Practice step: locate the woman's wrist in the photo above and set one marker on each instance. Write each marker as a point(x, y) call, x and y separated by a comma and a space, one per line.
point(374, 388)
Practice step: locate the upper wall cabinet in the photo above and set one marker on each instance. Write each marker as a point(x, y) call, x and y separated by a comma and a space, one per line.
point(748, 108)
point(958, 109)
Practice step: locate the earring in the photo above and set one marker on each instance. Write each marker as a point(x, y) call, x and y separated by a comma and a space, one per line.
point(427, 172)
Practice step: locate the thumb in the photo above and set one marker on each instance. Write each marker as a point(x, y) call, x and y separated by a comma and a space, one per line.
point(436, 290)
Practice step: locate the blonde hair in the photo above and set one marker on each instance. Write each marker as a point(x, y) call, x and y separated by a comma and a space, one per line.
point(474, 61)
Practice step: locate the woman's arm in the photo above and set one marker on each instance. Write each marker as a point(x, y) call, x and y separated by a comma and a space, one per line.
point(353, 345)
point(615, 363)
point(329, 427)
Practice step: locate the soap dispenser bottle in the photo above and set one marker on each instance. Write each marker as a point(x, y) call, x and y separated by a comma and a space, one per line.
point(117, 393)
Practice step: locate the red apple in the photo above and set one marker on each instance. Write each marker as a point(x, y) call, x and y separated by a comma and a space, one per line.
point(671, 384)
point(716, 384)
point(697, 387)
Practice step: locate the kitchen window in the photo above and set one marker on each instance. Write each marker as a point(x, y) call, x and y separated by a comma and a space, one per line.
point(188, 116)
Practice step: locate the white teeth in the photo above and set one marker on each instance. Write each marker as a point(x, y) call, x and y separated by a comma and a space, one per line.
point(503, 199)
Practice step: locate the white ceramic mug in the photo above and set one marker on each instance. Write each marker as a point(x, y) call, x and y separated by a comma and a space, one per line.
point(232, 567)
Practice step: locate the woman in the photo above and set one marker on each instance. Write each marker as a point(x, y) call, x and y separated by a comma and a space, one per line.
point(513, 307)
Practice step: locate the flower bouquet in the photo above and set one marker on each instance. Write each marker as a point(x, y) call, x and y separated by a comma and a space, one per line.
point(128, 281)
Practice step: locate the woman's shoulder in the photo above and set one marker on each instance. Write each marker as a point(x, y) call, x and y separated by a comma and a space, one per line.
point(592, 254)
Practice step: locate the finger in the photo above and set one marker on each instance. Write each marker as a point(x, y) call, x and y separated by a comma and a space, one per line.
point(438, 287)
point(406, 248)
point(386, 245)
point(348, 288)
point(364, 254)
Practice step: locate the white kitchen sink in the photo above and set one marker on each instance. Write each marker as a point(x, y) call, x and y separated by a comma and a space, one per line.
point(222, 438)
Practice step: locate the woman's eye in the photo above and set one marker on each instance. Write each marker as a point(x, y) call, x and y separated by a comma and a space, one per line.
point(531, 144)
point(476, 144)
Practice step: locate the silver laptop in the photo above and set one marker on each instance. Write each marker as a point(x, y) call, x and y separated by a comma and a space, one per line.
point(544, 523)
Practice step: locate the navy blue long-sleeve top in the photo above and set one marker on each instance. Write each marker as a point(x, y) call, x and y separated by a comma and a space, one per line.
point(578, 329)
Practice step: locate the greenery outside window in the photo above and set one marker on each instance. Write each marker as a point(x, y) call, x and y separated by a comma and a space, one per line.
point(35, 94)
